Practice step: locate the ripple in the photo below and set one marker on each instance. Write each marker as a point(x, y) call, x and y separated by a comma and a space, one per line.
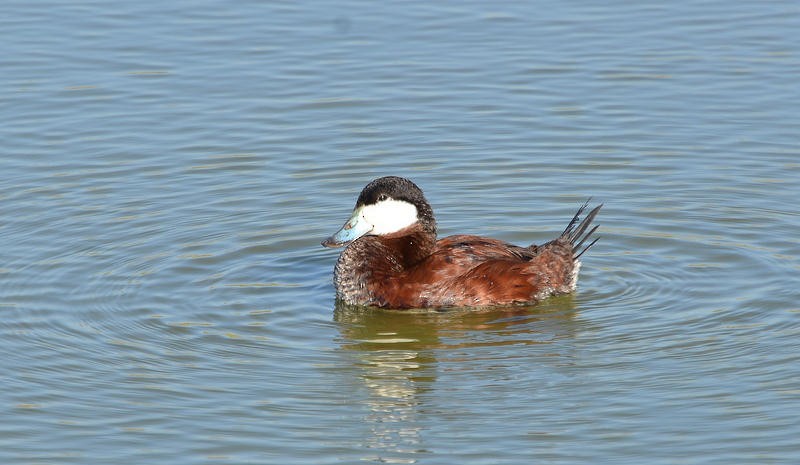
point(165, 190)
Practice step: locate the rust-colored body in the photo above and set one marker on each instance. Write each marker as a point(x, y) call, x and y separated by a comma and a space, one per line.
point(411, 271)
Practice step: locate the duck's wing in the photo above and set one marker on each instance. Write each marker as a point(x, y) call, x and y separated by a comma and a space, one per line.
point(502, 281)
point(473, 249)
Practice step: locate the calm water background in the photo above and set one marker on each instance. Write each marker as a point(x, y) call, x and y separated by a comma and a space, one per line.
point(169, 168)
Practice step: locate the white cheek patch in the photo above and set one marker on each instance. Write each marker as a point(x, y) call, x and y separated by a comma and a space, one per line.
point(389, 216)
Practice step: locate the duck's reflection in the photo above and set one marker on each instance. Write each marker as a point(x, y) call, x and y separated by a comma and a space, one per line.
point(398, 355)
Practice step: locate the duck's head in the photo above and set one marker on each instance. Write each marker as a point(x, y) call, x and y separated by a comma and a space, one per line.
point(387, 206)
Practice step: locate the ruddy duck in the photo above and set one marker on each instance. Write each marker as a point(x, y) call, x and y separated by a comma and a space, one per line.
point(393, 259)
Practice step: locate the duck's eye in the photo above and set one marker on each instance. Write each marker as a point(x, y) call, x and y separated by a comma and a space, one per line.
point(382, 197)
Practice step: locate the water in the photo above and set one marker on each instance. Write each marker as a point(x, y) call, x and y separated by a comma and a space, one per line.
point(169, 168)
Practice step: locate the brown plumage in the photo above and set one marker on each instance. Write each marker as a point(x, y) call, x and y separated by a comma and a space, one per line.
point(393, 259)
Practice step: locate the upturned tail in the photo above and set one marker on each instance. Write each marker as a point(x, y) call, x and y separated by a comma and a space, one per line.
point(578, 232)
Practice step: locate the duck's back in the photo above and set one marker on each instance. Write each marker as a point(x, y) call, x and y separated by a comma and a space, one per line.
point(477, 271)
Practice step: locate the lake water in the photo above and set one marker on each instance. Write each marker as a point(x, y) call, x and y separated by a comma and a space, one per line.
point(169, 169)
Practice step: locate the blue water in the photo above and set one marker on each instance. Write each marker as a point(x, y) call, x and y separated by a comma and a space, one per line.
point(169, 169)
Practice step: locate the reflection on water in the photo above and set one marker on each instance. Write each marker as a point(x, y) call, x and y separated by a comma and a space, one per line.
point(369, 328)
point(400, 353)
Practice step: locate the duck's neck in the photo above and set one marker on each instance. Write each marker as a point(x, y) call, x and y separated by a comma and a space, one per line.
point(410, 249)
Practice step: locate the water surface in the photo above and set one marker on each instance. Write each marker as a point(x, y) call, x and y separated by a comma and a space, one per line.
point(169, 168)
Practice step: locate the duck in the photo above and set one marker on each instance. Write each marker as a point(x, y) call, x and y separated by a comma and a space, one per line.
point(392, 258)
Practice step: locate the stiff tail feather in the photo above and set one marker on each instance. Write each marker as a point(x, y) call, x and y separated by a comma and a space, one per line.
point(576, 232)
